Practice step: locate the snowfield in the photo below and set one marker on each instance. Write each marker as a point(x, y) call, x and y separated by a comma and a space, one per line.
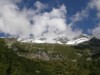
point(70, 42)
point(77, 41)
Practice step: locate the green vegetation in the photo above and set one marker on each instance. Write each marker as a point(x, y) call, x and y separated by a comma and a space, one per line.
point(46, 59)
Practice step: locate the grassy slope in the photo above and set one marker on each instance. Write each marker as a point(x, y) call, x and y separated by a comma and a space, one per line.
point(12, 64)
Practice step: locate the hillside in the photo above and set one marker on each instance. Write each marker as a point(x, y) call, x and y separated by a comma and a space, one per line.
point(18, 58)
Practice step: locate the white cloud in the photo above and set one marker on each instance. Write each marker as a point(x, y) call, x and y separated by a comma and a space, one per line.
point(52, 24)
point(12, 21)
point(95, 4)
point(39, 6)
point(96, 32)
point(46, 24)
point(79, 16)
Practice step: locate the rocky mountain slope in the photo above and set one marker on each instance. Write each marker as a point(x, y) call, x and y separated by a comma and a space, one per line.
point(18, 58)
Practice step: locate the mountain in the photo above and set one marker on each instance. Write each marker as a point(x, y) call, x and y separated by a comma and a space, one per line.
point(81, 39)
point(17, 58)
point(58, 40)
point(93, 44)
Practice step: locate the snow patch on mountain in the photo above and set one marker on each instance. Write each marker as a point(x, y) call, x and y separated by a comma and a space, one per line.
point(58, 40)
point(77, 41)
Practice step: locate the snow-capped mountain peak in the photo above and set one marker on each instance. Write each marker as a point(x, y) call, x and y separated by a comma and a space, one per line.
point(58, 40)
point(78, 41)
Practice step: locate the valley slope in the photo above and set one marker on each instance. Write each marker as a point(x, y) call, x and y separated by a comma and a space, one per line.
point(22, 58)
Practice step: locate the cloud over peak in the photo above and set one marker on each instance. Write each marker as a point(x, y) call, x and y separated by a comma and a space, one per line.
point(32, 21)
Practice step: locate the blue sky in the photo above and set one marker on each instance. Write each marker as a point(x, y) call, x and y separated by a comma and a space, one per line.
point(73, 6)
point(80, 15)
